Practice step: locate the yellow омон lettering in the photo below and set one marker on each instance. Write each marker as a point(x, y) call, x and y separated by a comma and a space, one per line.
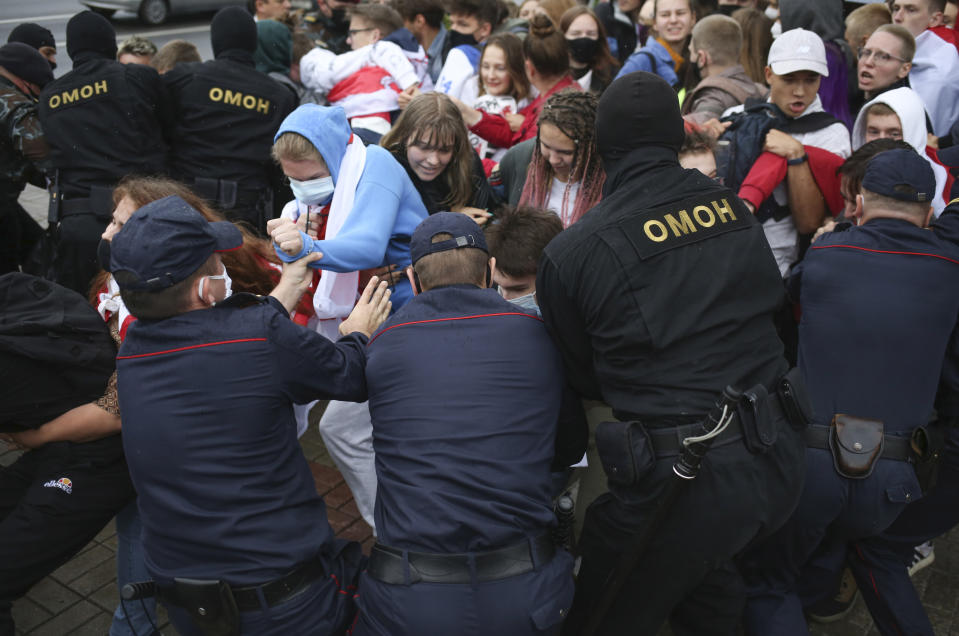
point(216, 94)
point(86, 91)
point(263, 106)
point(661, 230)
point(72, 96)
point(100, 87)
point(232, 98)
point(684, 224)
point(724, 210)
point(710, 219)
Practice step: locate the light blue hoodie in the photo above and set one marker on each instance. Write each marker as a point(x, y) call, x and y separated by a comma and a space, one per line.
point(640, 61)
point(386, 206)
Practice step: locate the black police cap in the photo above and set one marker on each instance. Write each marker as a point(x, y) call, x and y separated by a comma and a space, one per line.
point(165, 242)
point(463, 229)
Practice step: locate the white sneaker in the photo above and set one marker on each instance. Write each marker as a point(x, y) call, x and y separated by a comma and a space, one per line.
point(922, 555)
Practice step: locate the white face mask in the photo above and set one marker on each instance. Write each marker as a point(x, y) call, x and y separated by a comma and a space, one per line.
point(772, 13)
point(314, 191)
point(777, 29)
point(227, 281)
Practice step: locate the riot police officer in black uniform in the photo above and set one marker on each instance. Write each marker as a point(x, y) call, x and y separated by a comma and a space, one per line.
point(659, 298)
point(103, 120)
point(226, 115)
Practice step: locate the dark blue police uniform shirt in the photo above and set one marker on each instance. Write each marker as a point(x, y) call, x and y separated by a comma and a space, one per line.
point(880, 304)
point(210, 438)
point(465, 394)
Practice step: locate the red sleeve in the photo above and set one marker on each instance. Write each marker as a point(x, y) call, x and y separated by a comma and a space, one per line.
point(767, 172)
point(824, 166)
point(495, 130)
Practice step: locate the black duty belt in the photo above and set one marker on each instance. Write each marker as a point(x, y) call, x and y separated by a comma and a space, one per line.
point(274, 592)
point(667, 437)
point(893, 447)
point(389, 564)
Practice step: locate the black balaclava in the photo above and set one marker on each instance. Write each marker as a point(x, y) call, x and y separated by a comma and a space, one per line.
point(637, 110)
point(32, 34)
point(25, 62)
point(91, 32)
point(233, 28)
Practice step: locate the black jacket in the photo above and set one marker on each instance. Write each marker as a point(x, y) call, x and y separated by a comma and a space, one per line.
point(104, 120)
point(663, 293)
point(226, 114)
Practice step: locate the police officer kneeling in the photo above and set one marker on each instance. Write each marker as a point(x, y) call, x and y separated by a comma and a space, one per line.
point(234, 533)
point(466, 394)
point(659, 297)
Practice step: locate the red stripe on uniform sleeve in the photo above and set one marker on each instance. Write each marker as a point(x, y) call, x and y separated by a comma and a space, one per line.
point(422, 322)
point(198, 346)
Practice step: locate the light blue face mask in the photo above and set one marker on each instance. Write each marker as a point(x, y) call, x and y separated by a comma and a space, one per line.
point(312, 192)
point(527, 303)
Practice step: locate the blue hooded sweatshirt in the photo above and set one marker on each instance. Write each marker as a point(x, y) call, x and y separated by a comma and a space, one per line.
point(386, 206)
point(640, 61)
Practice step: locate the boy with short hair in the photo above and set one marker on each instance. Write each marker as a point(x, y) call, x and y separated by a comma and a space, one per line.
point(516, 240)
point(471, 23)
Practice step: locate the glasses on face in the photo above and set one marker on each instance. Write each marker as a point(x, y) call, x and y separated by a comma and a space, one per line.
point(880, 57)
point(353, 32)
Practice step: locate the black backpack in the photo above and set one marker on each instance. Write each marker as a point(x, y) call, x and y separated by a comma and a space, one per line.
point(56, 352)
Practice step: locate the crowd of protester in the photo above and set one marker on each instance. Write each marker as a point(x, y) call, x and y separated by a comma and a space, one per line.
point(311, 149)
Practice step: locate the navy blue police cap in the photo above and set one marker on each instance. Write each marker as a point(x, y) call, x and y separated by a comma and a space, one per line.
point(464, 230)
point(900, 174)
point(165, 242)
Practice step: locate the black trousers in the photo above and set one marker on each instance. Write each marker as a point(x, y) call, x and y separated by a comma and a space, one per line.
point(687, 575)
point(53, 501)
point(75, 260)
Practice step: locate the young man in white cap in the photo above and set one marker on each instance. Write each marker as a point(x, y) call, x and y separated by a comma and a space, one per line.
point(796, 64)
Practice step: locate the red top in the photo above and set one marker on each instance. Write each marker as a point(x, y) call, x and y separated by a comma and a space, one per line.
point(495, 129)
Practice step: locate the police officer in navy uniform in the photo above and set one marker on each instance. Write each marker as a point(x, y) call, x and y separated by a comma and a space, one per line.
point(658, 298)
point(466, 397)
point(877, 340)
point(226, 115)
point(103, 120)
point(206, 386)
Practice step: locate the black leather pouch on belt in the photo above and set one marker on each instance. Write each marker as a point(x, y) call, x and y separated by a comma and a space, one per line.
point(927, 443)
point(759, 427)
point(626, 451)
point(794, 399)
point(211, 606)
point(856, 444)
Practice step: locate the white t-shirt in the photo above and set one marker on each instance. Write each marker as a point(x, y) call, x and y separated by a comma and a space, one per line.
point(555, 201)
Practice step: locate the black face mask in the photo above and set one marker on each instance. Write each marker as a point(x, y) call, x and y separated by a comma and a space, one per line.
point(459, 39)
point(583, 50)
point(103, 254)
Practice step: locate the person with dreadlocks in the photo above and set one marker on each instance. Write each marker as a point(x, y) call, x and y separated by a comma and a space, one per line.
point(561, 170)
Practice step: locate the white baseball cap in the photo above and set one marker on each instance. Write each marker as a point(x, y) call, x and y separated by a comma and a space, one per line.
point(798, 50)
